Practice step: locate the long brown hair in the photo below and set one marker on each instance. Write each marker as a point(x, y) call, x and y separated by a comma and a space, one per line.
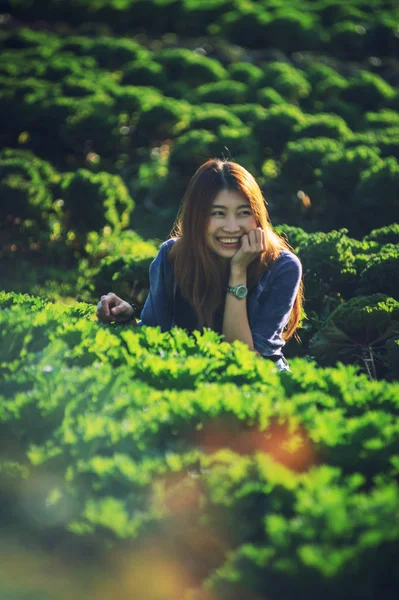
point(196, 271)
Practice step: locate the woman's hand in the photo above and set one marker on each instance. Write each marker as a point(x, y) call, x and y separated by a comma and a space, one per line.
point(112, 308)
point(252, 244)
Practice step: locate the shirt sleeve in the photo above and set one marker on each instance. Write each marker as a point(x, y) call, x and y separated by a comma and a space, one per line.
point(158, 307)
point(275, 304)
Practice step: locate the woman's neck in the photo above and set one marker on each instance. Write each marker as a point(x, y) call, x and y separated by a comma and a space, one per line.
point(223, 265)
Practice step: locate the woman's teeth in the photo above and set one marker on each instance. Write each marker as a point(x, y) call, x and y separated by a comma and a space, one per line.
point(229, 241)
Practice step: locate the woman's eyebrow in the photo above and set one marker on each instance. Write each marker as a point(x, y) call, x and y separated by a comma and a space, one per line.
point(222, 206)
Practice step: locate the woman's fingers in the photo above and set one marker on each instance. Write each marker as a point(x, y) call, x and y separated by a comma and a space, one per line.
point(256, 239)
point(107, 305)
point(245, 242)
point(252, 244)
point(103, 305)
point(252, 238)
point(102, 313)
point(262, 239)
point(122, 309)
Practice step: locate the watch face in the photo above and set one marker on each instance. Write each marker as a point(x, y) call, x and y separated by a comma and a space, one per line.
point(241, 291)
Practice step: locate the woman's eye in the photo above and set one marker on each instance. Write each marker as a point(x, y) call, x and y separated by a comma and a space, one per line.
point(243, 213)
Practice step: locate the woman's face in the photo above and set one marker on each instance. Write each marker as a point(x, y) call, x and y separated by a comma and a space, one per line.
point(230, 217)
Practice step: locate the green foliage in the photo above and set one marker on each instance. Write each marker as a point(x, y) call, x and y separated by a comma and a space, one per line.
point(322, 125)
point(375, 197)
point(285, 79)
point(198, 16)
point(246, 27)
point(245, 72)
point(334, 11)
point(319, 73)
point(380, 120)
point(380, 273)
point(93, 119)
point(368, 90)
point(212, 117)
point(24, 191)
point(92, 200)
point(76, 87)
point(132, 100)
point(111, 53)
point(384, 235)
point(191, 150)
point(348, 39)
point(239, 145)
point(144, 72)
point(117, 261)
point(78, 44)
point(250, 114)
point(192, 67)
point(357, 331)
point(328, 264)
point(341, 172)
point(164, 120)
point(304, 158)
point(292, 30)
point(28, 215)
point(294, 235)
point(268, 96)
point(392, 347)
point(185, 70)
point(386, 140)
point(277, 127)
point(142, 431)
point(8, 299)
point(23, 37)
point(129, 423)
point(65, 63)
point(383, 33)
point(219, 93)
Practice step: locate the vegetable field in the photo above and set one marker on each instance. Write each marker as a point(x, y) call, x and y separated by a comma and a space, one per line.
point(176, 466)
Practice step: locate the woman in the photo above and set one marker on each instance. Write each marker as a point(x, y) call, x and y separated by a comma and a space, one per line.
point(223, 267)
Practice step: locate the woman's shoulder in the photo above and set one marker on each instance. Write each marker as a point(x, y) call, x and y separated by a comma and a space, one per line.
point(286, 257)
point(166, 247)
point(170, 242)
point(287, 263)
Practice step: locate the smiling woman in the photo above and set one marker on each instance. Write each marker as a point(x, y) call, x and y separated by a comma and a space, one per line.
point(223, 267)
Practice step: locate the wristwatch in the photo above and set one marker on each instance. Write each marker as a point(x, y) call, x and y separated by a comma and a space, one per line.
point(239, 291)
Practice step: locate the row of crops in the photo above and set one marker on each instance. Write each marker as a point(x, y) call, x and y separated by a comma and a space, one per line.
point(242, 480)
point(348, 30)
point(151, 116)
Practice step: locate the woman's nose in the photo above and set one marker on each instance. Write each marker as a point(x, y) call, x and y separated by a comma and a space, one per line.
point(231, 224)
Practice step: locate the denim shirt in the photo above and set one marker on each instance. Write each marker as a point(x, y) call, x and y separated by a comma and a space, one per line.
point(269, 303)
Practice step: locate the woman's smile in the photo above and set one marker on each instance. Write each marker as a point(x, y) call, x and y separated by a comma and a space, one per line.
point(229, 243)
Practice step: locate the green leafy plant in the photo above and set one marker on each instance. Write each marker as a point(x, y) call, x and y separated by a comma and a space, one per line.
point(145, 430)
point(277, 127)
point(376, 194)
point(357, 331)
